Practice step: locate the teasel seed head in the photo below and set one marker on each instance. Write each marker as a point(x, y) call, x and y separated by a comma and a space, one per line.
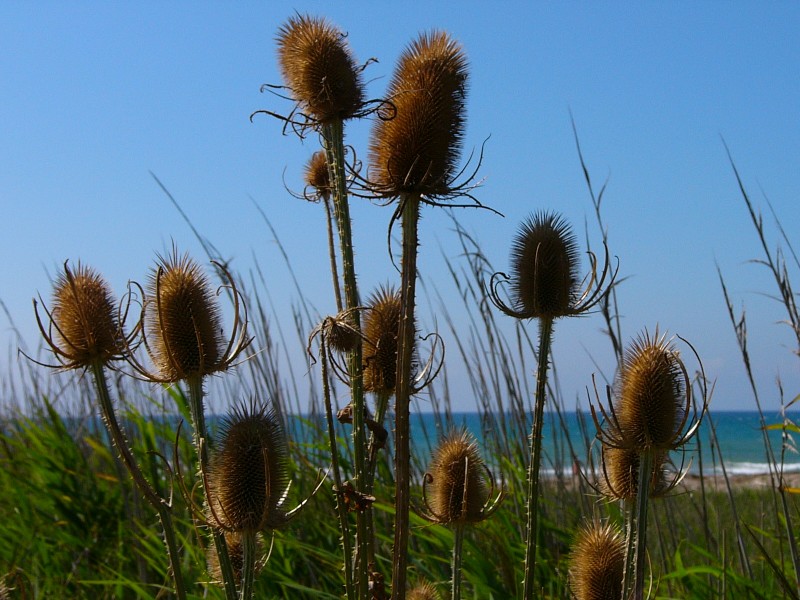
point(416, 148)
point(236, 555)
point(341, 333)
point(317, 176)
point(423, 591)
point(620, 478)
point(381, 328)
point(652, 395)
point(83, 325)
point(455, 490)
point(248, 477)
point(318, 67)
point(596, 563)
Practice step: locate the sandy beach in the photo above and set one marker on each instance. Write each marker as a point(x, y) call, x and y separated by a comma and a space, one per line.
point(717, 482)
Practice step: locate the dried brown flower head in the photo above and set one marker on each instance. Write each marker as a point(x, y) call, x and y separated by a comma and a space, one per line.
point(597, 562)
point(544, 272)
point(341, 333)
point(318, 67)
point(455, 489)
point(317, 176)
point(415, 149)
point(182, 322)
point(381, 327)
point(248, 477)
point(83, 327)
point(423, 591)
point(620, 478)
point(236, 555)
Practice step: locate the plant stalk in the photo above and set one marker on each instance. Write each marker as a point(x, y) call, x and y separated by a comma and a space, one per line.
point(646, 462)
point(458, 545)
point(150, 495)
point(249, 550)
point(532, 527)
point(407, 331)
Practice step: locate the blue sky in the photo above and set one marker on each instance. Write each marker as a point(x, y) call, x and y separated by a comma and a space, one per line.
point(98, 95)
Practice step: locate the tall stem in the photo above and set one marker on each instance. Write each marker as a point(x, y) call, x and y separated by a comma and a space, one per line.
point(333, 140)
point(646, 461)
point(248, 564)
point(406, 334)
point(458, 544)
point(195, 384)
point(532, 529)
point(150, 495)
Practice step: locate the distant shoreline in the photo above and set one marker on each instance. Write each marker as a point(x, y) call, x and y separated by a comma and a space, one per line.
point(717, 482)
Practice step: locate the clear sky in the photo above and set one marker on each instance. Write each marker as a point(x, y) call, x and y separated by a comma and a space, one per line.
point(95, 96)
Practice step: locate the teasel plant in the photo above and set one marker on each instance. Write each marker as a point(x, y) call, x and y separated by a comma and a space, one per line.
point(415, 145)
point(649, 414)
point(85, 332)
point(545, 285)
point(180, 328)
point(596, 562)
point(423, 591)
point(455, 493)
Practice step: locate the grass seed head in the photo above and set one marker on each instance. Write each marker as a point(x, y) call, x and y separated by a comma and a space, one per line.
point(318, 67)
point(416, 150)
point(183, 320)
point(456, 481)
point(596, 563)
point(544, 262)
point(381, 327)
point(248, 475)
point(84, 319)
point(651, 399)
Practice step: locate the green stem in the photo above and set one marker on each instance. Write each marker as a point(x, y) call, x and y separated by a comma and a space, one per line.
point(381, 404)
point(458, 544)
point(646, 462)
point(201, 446)
point(333, 140)
point(532, 529)
point(150, 495)
point(249, 550)
point(406, 334)
point(344, 525)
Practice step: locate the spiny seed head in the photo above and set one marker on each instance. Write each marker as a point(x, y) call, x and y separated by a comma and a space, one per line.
point(248, 476)
point(86, 325)
point(318, 67)
point(423, 591)
point(621, 474)
point(183, 320)
point(381, 328)
point(341, 333)
point(652, 396)
point(457, 480)
point(596, 563)
point(236, 555)
point(317, 176)
point(416, 151)
point(544, 263)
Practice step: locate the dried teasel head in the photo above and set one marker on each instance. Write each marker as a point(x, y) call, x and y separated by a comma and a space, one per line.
point(423, 591)
point(379, 350)
point(84, 325)
point(317, 176)
point(455, 489)
point(620, 477)
point(319, 69)
point(415, 148)
point(341, 333)
point(544, 272)
point(182, 323)
point(236, 555)
point(596, 563)
point(248, 476)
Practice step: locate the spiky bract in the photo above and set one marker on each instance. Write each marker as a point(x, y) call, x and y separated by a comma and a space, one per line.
point(381, 327)
point(341, 333)
point(544, 263)
point(318, 67)
point(184, 327)
point(423, 591)
point(317, 176)
point(416, 150)
point(84, 318)
point(596, 563)
point(620, 478)
point(456, 481)
point(248, 475)
point(651, 400)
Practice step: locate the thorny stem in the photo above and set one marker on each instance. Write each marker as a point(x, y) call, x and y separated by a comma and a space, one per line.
point(195, 384)
point(532, 528)
point(646, 461)
point(337, 479)
point(458, 544)
point(150, 495)
point(248, 564)
point(406, 332)
point(381, 403)
point(333, 140)
point(337, 292)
